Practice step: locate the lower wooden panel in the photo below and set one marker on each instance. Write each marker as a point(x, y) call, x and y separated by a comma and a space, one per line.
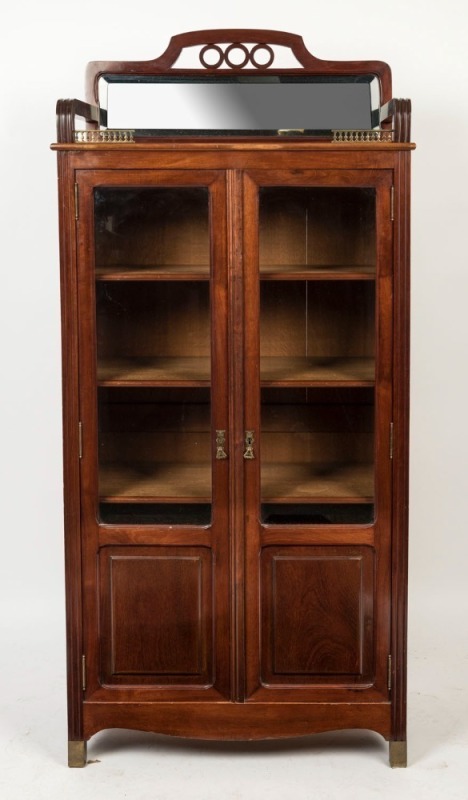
point(317, 621)
point(156, 616)
point(231, 721)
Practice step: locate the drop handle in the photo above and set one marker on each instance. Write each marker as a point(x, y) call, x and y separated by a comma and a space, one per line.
point(249, 443)
point(220, 443)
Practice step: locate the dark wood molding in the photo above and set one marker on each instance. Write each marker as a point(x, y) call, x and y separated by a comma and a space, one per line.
point(401, 446)
point(67, 110)
point(236, 422)
point(396, 114)
point(166, 63)
point(71, 463)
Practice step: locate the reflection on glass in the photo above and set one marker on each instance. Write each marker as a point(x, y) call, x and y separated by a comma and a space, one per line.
point(153, 356)
point(154, 455)
point(151, 231)
point(317, 455)
point(317, 355)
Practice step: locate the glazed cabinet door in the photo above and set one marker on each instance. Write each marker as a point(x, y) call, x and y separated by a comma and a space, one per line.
point(318, 278)
point(154, 430)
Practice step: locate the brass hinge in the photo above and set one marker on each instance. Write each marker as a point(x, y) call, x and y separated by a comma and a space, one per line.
point(391, 440)
point(83, 673)
point(389, 674)
point(77, 204)
point(80, 440)
point(392, 203)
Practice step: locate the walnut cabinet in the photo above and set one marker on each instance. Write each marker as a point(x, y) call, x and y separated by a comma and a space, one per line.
point(235, 331)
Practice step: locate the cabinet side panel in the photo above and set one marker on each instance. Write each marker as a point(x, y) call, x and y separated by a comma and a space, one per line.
point(401, 446)
point(71, 476)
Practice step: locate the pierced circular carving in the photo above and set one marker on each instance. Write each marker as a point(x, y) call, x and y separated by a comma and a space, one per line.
point(237, 46)
point(247, 55)
point(269, 51)
point(216, 49)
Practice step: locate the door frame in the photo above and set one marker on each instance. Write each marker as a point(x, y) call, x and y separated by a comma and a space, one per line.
point(96, 535)
point(376, 536)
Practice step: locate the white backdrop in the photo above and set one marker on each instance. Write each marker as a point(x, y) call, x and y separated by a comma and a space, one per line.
point(44, 49)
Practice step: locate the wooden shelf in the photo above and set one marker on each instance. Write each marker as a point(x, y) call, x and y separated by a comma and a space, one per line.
point(317, 483)
point(162, 482)
point(304, 272)
point(319, 371)
point(197, 272)
point(275, 371)
point(147, 482)
point(154, 372)
point(164, 272)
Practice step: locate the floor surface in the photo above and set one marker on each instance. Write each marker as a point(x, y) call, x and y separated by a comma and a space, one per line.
point(351, 765)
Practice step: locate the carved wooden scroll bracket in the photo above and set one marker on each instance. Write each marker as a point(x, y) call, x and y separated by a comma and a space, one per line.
point(68, 110)
point(399, 111)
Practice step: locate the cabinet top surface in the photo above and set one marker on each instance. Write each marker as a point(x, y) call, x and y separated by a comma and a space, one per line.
point(289, 146)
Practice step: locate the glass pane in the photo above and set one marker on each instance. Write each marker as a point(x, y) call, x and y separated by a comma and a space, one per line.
point(317, 350)
point(317, 455)
point(153, 355)
point(222, 105)
point(154, 455)
point(319, 229)
point(151, 231)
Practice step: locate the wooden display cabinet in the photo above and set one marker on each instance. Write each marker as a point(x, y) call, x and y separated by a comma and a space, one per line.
point(235, 372)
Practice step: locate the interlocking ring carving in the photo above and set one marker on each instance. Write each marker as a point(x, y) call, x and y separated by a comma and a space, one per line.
point(271, 56)
point(207, 49)
point(230, 49)
point(226, 55)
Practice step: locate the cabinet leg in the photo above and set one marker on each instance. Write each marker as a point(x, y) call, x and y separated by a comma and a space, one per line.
point(397, 753)
point(77, 754)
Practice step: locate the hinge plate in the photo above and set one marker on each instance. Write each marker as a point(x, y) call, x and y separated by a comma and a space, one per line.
point(392, 203)
point(389, 674)
point(80, 440)
point(77, 204)
point(83, 673)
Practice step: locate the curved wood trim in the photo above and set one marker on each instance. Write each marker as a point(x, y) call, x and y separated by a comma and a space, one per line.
point(398, 112)
point(67, 110)
point(164, 64)
point(237, 721)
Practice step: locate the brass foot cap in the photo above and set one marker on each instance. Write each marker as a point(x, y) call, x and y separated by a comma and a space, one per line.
point(398, 754)
point(77, 754)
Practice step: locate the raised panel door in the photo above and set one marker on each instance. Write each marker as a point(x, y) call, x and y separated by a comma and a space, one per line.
point(318, 278)
point(155, 438)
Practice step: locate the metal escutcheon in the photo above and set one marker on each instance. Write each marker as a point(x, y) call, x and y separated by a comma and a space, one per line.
point(220, 442)
point(249, 443)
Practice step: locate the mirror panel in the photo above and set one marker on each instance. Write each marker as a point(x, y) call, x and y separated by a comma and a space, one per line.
point(243, 105)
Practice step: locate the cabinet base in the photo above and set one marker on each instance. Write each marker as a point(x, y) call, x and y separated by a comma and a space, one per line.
point(77, 754)
point(398, 754)
point(236, 721)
